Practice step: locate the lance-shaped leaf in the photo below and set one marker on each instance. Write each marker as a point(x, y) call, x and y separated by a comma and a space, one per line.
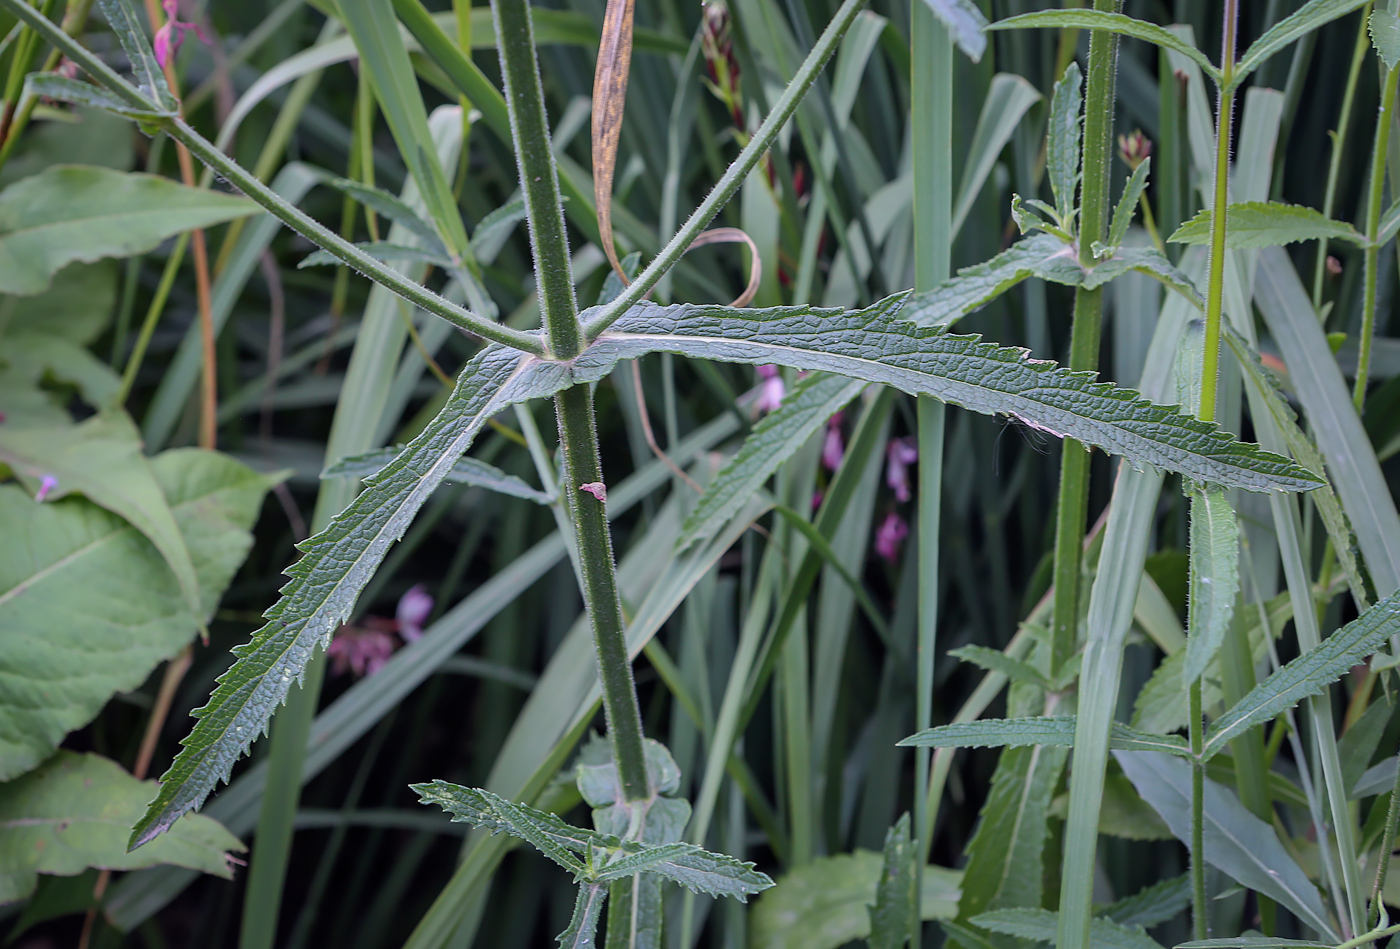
point(896, 912)
point(965, 25)
point(550, 834)
point(1041, 255)
point(1055, 730)
point(1304, 20)
point(1152, 904)
point(583, 925)
point(1385, 36)
point(773, 441)
point(1063, 138)
point(1039, 925)
point(876, 345)
point(1148, 261)
point(1215, 576)
point(1236, 842)
point(1309, 674)
point(326, 582)
point(994, 660)
point(1113, 23)
point(1127, 204)
point(392, 207)
point(122, 17)
point(63, 89)
point(379, 250)
point(1252, 224)
point(471, 471)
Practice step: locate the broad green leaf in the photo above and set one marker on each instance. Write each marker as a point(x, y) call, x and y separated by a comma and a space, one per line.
point(1039, 925)
point(89, 606)
point(77, 212)
point(1009, 98)
point(122, 17)
point(1153, 904)
point(1050, 730)
point(825, 904)
point(994, 660)
point(1148, 261)
point(1215, 577)
point(1113, 23)
point(1127, 204)
point(101, 460)
point(965, 24)
point(72, 812)
point(1005, 855)
point(773, 441)
point(35, 361)
point(1063, 137)
point(326, 581)
point(1308, 17)
point(77, 307)
point(467, 470)
point(876, 345)
point(895, 913)
point(583, 925)
point(1309, 674)
point(379, 250)
point(1385, 36)
point(1236, 842)
point(1266, 224)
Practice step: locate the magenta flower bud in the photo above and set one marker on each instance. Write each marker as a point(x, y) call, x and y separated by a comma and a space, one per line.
point(899, 455)
point(833, 447)
point(771, 394)
point(361, 651)
point(412, 613)
point(47, 484)
point(890, 535)
point(168, 37)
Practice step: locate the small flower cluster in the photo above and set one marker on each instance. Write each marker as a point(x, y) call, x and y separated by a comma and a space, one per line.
point(365, 649)
point(900, 453)
point(717, 44)
point(172, 34)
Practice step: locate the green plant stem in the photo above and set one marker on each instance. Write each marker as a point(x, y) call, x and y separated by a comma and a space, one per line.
point(1339, 140)
point(1084, 336)
point(153, 312)
point(1200, 924)
point(1392, 818)
point(735, 174)
point(1379, 154)
point(578, 438)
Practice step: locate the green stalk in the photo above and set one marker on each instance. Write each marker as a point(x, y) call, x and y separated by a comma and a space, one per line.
point(1373, 223)
point(735, 174)
point(1084, 335)
point(931, 119)
point(578, 437)
point(1200, 924)
point(1339, 140)
point(1392, 818)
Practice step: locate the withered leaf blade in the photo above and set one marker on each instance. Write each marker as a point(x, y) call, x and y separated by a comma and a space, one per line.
point(609, 99)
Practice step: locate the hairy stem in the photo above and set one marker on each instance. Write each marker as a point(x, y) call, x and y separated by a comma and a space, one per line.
point(1373, 225)
point(1084, 334)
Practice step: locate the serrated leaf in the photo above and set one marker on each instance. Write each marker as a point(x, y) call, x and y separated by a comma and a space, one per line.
point(71, 813)
point(712, 874)
point(1113, 23)
point(895, 913)
point(1041, 255)
point(326, 581)
point(379, 250)
point(89, 606)
point(392, 207)
point(1128, 202)
point(1236, 842)
point(122, 17)
point(1252, 224)
point(1152, 905)
point(68, 213)
point(965, 25)
point(1148, 261)
point(773, 441)
point(467, 470)
point(1215, 577)
point(824, 904)
point(582, 931)
point(1309, 674)
point(994, 660)
point(63, 89)
point(1063, 137)
point(1385, 36)
point(547, 833)
point(1039, 925)
point(1049, 730)
point(876, 345)
point(1307, 18)
point(1254, 942)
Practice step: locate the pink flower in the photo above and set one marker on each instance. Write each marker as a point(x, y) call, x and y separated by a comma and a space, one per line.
point(899, 455)
point(414, 607)
point(46, 484)
point(817, 498)
point(363, 651)
point(169, 36)
point(772, 392)
point(833, 448)
point(890, 535)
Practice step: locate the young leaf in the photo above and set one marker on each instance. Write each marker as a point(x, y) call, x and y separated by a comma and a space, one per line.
point(876, 345)
point(582, 930)
point(49, 85)
point(1215, 577)
point(1308, 17)
point(121, 16)
point(1309, 674)
point(1238, 843)
point(326, 581)
point(1008, 99)
point(773, 441)
point(1148, 261)
point(379, 250)
point(471, 471)
point(1041, 255)
point(1050, 730)
point(548, 833)
point(1064, 134)
point(1385, 36)
point(994, 660)
point(1127, 204)
point(895, 913)
point(1039, 925)
point(1114, 23)
point(1266, 224)
point(1152, 905)
point(76, 212)
point(965, 24)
